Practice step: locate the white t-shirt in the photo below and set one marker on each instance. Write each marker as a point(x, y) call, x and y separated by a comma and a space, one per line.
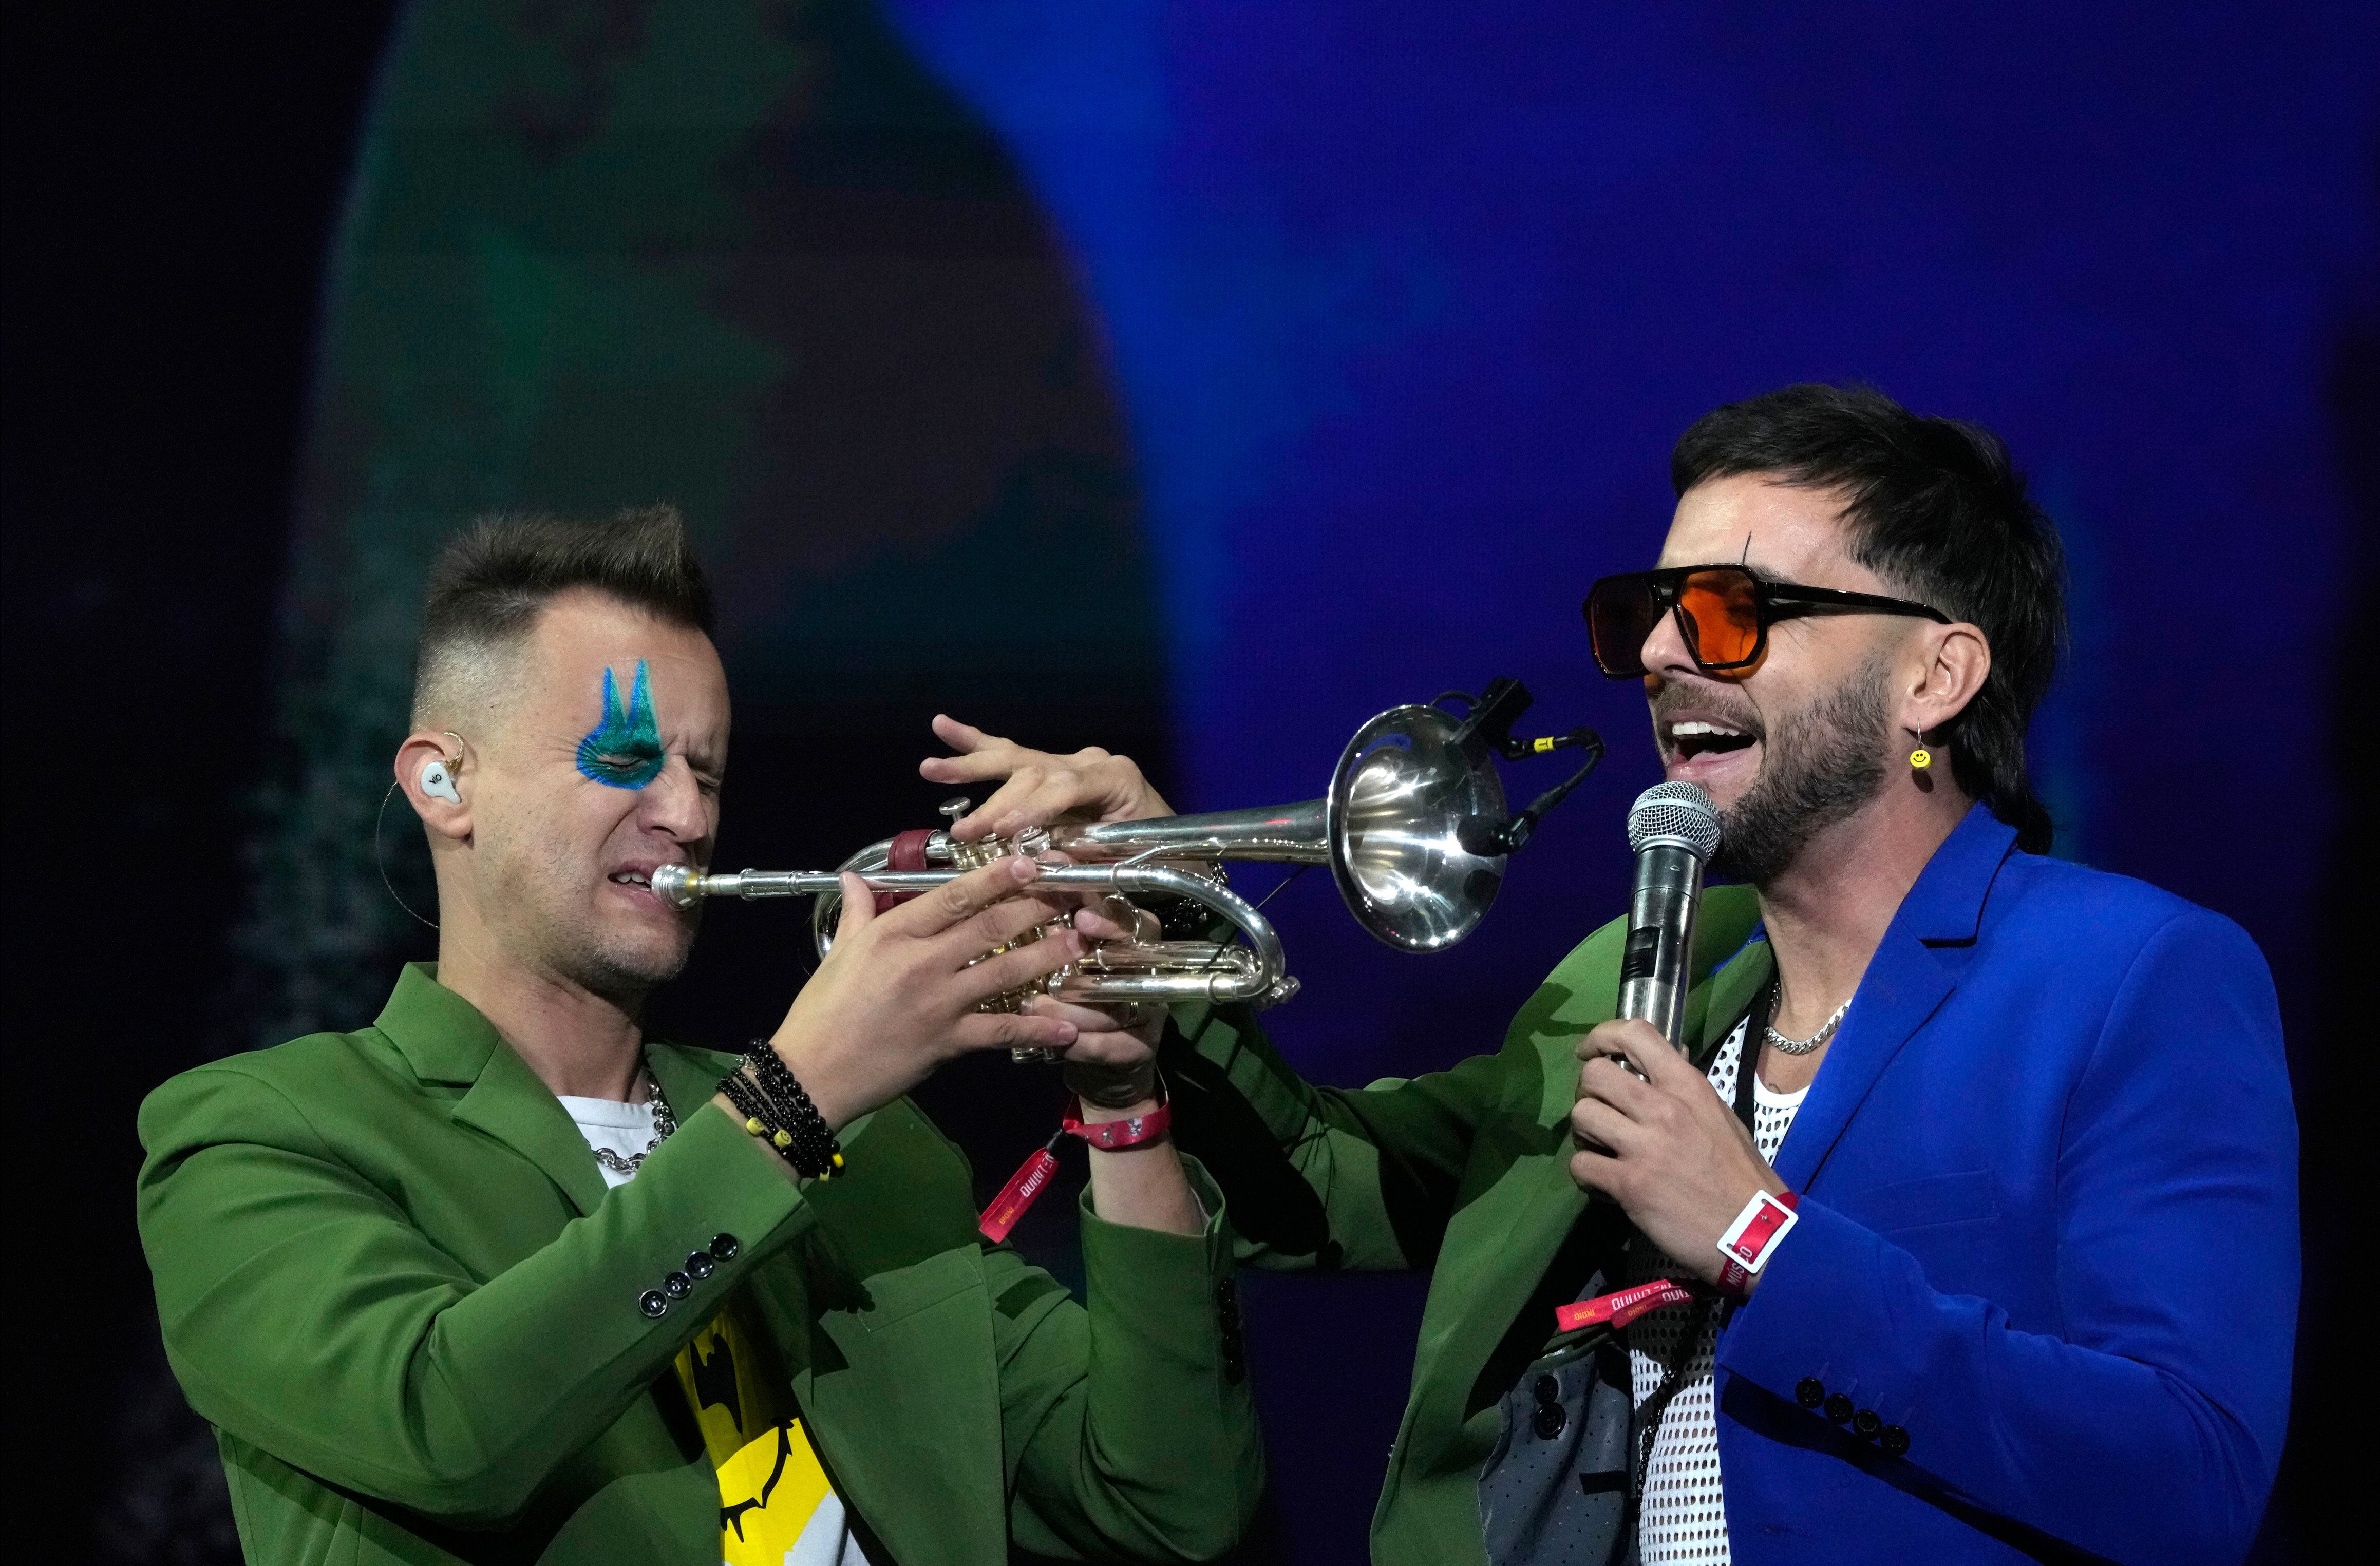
point(627, 1129)
point(1685, 1519)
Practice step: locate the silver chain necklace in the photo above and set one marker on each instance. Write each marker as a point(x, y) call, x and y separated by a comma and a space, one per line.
point(1785, 1045)
point(664, 1124)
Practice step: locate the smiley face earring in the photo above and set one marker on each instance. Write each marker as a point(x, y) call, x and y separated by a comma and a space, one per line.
point(1921, 757)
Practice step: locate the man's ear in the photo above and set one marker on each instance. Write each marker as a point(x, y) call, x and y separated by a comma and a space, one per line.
point(430, 767)
point(1957, 661)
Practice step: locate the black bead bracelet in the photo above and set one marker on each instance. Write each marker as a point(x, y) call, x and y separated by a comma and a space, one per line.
point(777, 1108)
point(739, 1091)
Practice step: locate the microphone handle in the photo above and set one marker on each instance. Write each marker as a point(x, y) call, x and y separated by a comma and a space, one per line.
point(1653, 971)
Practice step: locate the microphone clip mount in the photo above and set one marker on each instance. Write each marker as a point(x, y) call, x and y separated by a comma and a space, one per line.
point(1488, 724)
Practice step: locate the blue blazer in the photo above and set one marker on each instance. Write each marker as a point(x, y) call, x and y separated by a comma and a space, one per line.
point(2047, 1234)
point(2049, 1228)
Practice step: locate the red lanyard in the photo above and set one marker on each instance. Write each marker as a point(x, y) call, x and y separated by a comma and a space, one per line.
point(1026, 1185)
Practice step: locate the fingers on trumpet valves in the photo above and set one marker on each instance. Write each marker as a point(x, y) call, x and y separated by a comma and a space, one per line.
point(1019, 919)
point(1111, 917)
point(962, 897)
point(1010, 976)
point(1023, 1032)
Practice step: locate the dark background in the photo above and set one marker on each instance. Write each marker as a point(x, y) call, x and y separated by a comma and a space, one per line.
point(1339, 350)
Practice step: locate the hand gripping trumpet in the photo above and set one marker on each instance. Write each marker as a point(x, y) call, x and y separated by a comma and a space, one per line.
point(1414, 827)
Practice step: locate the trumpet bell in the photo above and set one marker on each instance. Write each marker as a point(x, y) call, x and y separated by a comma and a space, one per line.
point(1414, 827)
point(1410, 789)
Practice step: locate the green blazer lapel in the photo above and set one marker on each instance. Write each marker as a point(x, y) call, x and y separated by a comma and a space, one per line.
point(1545, 1200)
point(1551, 1198)
point(1712, 1009)
point(1497, 1248)
point(887, 1391)
point(512, 1105)
point(689, 1077)
point(446, 1040)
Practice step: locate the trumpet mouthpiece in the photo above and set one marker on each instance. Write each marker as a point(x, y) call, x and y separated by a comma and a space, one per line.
point(680, 886)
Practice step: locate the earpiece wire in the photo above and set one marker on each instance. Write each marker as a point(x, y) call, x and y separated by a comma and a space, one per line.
point(379, 860)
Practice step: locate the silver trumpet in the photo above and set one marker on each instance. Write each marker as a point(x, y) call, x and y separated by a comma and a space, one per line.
point(1414, 828)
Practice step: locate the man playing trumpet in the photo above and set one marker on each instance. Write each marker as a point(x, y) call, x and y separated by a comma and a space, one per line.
point(2014, 1136)
point(499, 1278)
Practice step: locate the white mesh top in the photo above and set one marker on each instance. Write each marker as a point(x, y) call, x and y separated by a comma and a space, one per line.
point(1684, 1522)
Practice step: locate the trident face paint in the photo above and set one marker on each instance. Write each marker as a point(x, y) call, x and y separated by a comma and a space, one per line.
point(624, 750)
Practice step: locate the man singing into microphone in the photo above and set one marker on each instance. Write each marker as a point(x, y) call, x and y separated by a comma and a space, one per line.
point(2010, 1191)
point(498, 1277)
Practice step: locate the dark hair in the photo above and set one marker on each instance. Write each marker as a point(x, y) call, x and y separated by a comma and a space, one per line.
point(1935, 508)
point(489, 583)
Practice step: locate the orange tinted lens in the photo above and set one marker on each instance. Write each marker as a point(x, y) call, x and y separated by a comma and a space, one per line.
point(1723, 618)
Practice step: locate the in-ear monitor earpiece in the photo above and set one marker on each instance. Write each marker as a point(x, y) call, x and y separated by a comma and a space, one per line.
point(437, 781)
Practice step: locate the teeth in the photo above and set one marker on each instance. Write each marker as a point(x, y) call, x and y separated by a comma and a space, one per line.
point(1690, 729)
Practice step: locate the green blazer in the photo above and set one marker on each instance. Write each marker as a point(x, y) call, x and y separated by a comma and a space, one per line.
point(1463, 1173)
point(390, 1274)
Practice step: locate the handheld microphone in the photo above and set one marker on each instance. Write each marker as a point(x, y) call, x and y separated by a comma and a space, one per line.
point(1673, 827)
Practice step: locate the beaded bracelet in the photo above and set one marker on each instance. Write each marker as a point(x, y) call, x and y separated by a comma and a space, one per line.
point(762, 1120)
point(796, 1105)
point(814, 1149)
point(740, 1092)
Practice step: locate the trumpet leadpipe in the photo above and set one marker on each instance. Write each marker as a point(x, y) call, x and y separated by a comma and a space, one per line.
point(1118, 972)
point(682, 886)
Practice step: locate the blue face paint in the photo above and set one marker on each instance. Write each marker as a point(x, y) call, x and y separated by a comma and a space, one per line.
point(624, 750)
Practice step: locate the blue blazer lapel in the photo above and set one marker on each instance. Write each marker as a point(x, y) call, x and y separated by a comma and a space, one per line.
point(1906, 983)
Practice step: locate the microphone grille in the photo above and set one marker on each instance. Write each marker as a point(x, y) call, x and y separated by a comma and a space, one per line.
point(1674, 812)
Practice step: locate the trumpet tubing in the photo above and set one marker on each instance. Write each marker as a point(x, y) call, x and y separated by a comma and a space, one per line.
point(1414, 828)
point(1111, 973)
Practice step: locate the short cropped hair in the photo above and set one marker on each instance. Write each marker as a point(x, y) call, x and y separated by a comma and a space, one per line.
point(489, 584)
point(1936, 507)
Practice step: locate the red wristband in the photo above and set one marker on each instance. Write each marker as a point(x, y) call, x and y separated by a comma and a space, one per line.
point(1025, 1187)
point(1109, 1135)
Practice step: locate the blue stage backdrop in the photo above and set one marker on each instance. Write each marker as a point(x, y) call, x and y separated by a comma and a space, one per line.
point(1406, 303)
point(1201, 379)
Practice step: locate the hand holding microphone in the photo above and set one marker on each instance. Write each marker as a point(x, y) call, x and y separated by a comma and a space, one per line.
point(1651, 1133)
point(1655, 1137)
point(1673, 827)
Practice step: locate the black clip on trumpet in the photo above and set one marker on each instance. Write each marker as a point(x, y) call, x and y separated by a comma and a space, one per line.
point(1487, 724)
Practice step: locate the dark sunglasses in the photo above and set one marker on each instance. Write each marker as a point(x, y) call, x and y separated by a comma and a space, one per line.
point(1723, 612)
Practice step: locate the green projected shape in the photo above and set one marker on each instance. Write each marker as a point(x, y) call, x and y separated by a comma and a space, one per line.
point(624, 750)
point(745, 258)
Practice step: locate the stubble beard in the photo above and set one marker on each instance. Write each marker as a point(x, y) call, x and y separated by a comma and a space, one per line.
point(620, 973)
point(563, 936)
point(1821, 766)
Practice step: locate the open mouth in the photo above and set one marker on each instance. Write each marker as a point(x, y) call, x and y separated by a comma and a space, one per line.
point(1697, 737)
point(630, 877)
